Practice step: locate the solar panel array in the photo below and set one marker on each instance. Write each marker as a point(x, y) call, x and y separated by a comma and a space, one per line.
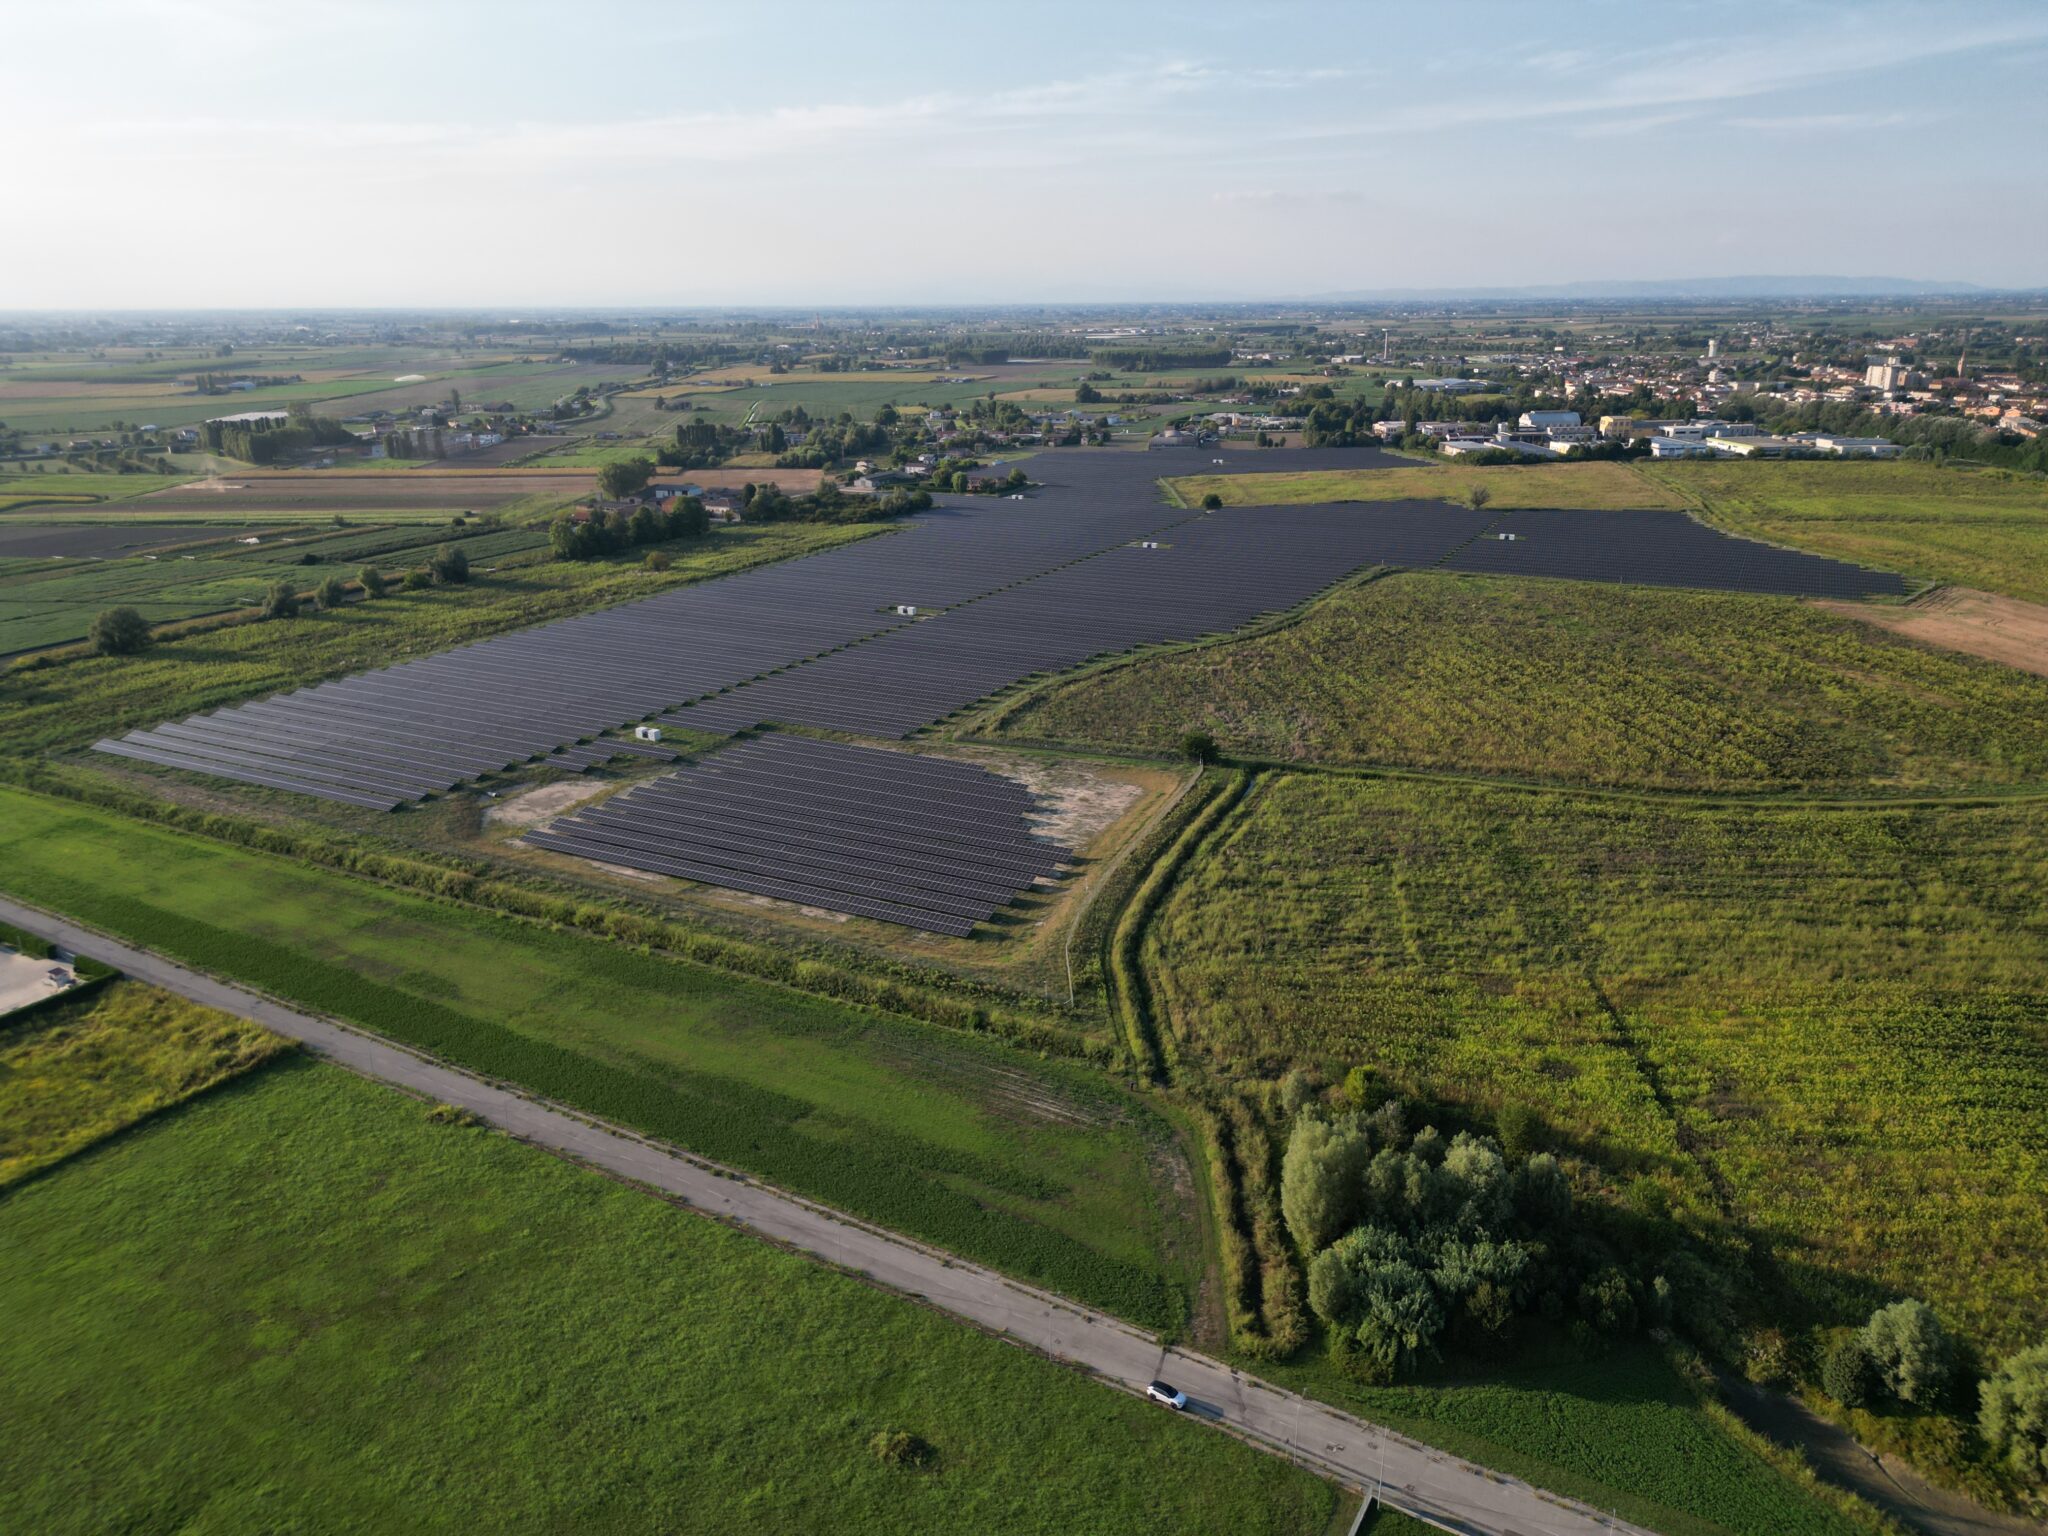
point(1663, 549)
point(1019, 589)
point(919, 841)
point(1210, 574)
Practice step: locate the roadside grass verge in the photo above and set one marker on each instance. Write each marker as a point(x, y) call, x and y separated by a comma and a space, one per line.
point(1820, 1023)
point(1983, 528)
point(1598, 485)
point(75, 1073)
point(1039, 1168)
point(1575, 682)
point(297, 1303)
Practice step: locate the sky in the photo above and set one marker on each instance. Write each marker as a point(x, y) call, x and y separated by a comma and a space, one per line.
point(339, 153)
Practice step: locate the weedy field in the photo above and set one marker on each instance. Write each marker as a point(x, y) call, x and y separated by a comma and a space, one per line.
point(1979, 528)
point(1598, 486)
point(1578, 682)
point(303, 1303)
point(1822, 1022)
point(1045, 1170)
point(74, 1072)
point(81, 700)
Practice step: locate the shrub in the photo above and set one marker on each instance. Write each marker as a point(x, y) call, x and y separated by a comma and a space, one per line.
point(450, 566)
point(450, 1114)
point(332, 593)
point(1211, 502)
point(1199, 747)
point(1767, 1358)
point(119, 632)
point(417, 581)
point(1522, 1130)
point(1477, 498)
point(1910, 1351)
point(900, 1448)
point(371, 580)
point(657, 560)
point(280, 602)
point(2012, 1414)
point(1846, 1373)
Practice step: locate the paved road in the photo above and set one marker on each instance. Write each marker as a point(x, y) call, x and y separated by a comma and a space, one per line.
point(1413, 1476)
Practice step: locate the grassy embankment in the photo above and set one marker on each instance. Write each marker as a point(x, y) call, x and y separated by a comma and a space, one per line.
point(1575, 682)
point(74, 1073)
point(1819, 1025)
point(1044, 1170)
point(90, 697)
point(1598, 485)
point(297, 1303)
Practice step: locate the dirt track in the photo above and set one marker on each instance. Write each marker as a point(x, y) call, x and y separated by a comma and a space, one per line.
point(1963, 619)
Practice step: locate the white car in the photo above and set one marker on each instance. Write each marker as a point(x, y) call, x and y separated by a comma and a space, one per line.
point(1171, 1396)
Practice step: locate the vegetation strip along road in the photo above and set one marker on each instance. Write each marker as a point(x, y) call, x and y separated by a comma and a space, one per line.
point(1409, 1475)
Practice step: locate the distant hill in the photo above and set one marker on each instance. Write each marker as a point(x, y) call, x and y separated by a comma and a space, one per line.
point(1674, 288)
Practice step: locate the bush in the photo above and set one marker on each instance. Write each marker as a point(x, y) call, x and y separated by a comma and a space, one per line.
point(1910, 1351)
point(1211, 502)
point(119, 632)
point(657, 560)
point(1199, 747)
point(417, 581)
point(371, 580)
point(900, 1448)
point(450, 566)
point(2012, 1414)
point(1522, 1130)
point(332, 593)
point(281, 602)
point(1846, 1373)
point(1767, 1358)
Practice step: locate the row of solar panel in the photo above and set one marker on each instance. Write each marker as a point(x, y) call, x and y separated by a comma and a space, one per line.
point(917, 841)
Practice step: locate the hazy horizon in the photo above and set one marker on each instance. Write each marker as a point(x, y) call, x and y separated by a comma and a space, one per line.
point(215, 154)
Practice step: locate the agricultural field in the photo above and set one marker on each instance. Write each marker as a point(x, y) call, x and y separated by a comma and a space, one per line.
point(327, 493)
point(1047, 1171)
point(64, 489)
point(1572, 681)
point(305, 1304)
point(1976, 528)
point(1598, 486)
point(72, 1073)
point(89, 697)
point(200, 570)
point(1823, 1022)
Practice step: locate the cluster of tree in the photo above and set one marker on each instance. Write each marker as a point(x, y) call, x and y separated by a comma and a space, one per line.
point(223, 383)
point(985, 348)
point(825, 442)
point(262, 442)
point(1158, 359)
point(624, 477)
point(414, 443)
point(702, 445)
point(605, 534)
point(828, 504)
point(1935, 437)
point(1415, 1240)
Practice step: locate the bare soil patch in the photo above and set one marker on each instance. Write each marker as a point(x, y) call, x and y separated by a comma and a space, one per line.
point(2002, 629)
point(538, 805)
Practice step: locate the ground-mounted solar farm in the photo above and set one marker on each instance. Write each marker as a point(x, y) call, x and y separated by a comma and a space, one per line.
point(581, 826)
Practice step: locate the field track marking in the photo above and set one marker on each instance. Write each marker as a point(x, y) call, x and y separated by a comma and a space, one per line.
point(1405, 1474)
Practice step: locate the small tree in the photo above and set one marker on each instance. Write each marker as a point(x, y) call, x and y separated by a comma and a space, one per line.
point(280, 602)
point(119, 632)
point(450, 566)
point(1846, 1374)
point(900, 1448)
point(417, 581)
point(658, 560)
point(1199, 747)
point(1211, 502)
point(1477, 498)
point(1909, 1350)
point(2013, 1414)
point(371, 580)
point(332, 593)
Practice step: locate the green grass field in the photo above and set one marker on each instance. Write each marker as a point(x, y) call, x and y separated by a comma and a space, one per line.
point(1046, 1171)
point(1577, 682)
point(73, 1073)
point(1598, 485)
point(82, 700)
point(1825, 1024)
point(1622, 1432)
point(1975, 528)
point(296, 1304)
